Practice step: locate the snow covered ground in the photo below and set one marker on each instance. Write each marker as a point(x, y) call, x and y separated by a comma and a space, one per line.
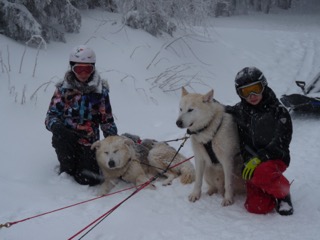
point(285, 47)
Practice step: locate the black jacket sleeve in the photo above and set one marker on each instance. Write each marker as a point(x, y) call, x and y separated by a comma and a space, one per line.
point(279, 145)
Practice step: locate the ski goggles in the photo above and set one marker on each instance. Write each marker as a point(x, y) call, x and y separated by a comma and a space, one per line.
point(253, 88)
point(78, 69)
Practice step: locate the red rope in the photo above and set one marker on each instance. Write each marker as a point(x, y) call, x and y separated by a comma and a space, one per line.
point(9, 224)
point(103, 216)
point(173, 166)
point(113, 209)
point(140, 187)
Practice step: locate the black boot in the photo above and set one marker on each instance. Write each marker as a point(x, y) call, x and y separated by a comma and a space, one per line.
point(284, 206)
point(86, 177)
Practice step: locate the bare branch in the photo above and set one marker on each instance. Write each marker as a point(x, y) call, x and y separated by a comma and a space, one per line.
point(5, 69)
point(46, 84)
point(41, 43)
point(175, 77)
point(23, 97)
point(22, 57)
point(1, 62)
point(135, 50)
point(9, 67)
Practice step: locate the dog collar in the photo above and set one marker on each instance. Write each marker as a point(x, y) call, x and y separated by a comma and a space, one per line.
point(196, 132)
point(204, 128)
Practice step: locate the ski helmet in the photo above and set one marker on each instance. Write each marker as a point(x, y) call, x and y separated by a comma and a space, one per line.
point(82, 54)
point(249, 75)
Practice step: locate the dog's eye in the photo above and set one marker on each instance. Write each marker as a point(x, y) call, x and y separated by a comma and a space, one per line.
point(115, 151)
point(190, 110)
point(106, 153)
point(180, 109)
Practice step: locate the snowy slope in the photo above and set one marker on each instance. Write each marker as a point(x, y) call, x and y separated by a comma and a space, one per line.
point(285, 47)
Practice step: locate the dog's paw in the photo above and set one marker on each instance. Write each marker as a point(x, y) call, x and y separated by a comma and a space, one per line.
point(149, 186)
point(194, 196)
point(104, 191)
point(105, 187)
point(227, 202)
point(152, 186)
point(166, 182)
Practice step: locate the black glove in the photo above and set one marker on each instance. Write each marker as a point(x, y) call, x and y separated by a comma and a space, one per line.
point(61, 131)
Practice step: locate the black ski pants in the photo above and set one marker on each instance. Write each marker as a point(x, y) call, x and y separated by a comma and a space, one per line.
point(77, 160)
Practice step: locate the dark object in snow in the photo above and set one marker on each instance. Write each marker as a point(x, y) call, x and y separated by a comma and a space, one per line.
point(284, 206)
point(308, 102)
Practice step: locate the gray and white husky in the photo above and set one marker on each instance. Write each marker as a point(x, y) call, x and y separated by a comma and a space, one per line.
point(215, 144)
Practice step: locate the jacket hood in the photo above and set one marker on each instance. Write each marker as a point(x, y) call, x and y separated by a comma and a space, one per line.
point(94, 83)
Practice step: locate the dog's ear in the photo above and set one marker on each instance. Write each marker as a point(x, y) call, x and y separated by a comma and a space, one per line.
point(184, 91)
point(95, 145)
point(208, 97)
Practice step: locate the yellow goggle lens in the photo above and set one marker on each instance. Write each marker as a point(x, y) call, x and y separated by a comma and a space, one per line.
point(254, 88)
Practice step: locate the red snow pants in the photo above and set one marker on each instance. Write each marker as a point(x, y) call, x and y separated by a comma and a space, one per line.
point(265, 186)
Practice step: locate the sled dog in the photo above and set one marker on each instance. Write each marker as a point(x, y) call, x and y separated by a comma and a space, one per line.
point(161, 155)
point(121, 157)
point(215, 144)
point(117, 159)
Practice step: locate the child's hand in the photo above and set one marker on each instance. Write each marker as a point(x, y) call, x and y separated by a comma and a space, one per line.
point(250, 167)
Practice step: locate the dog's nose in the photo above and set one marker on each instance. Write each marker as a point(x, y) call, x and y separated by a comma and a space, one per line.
point(111, 164)
point(179, 123)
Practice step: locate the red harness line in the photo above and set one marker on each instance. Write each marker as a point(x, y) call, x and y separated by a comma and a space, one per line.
point(9, 224)
point(103, 216)
point(140, 187)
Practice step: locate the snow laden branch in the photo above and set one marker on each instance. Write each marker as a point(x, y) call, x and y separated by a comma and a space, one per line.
point(174, 77)
point(167, 45)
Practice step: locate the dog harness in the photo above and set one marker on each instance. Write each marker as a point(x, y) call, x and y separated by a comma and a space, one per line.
point(208, 145)
point(212, 155)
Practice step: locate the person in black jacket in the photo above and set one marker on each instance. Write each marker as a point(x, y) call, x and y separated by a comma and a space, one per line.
point(265, 131)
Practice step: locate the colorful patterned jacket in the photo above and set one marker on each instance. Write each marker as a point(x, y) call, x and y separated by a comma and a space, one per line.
point(82, 108)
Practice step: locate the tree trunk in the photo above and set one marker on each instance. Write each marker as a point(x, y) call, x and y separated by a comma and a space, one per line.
point(284, 4)
point(257, 5)
point(265, 6)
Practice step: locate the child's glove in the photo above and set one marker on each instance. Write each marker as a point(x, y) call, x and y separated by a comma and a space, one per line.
point(250, 167)
point(62, 131)
point(86, 129)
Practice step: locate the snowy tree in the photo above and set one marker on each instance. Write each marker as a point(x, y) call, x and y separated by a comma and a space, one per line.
point(152, 23)
point(21, 19)
point(108, 5)
point(17, 22)
point(265, 5)
point(284, 4)
point(148, 15)
point(261, 5)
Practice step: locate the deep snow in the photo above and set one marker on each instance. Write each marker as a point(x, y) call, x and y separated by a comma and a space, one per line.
point(285, 47)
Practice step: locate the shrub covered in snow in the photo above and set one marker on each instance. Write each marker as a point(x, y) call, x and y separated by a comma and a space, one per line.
point(153, 23)
point(20, 20)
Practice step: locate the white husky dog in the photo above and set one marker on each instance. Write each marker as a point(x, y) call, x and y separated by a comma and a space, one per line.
point(161, 155)
point(215, 145)
point(117, 159)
